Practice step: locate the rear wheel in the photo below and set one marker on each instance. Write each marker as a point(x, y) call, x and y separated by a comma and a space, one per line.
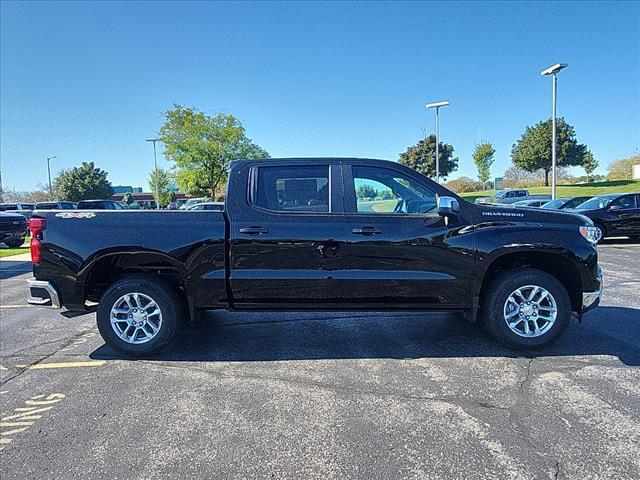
point(526, 308)
point(14, 242)
point(139, 315)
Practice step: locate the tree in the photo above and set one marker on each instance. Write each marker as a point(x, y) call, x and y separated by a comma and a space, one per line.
point(127, 198)
point(589, 163)
point(41, 194)
point(483, 157)
point(160, 182)
point(366, 191)
point(623, 169)
point(82, 183)
point(421, 157)
point(203, 146)
point(533, 151)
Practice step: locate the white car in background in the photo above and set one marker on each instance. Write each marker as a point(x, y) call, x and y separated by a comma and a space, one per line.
point(193, 201)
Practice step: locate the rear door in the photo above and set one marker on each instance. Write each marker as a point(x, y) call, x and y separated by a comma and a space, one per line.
point(288, 236)
point(400, 253)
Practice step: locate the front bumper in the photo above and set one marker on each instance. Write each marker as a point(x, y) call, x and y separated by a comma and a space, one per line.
point(591, 300)
point(42, 294)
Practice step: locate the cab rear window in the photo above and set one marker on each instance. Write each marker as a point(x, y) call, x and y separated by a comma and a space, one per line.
point(292, 189)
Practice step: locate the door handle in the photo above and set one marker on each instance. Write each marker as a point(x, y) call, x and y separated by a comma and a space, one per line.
point(253, 230)
point(366, 231)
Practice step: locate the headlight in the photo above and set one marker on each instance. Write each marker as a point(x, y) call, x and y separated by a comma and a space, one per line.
point(590, 233)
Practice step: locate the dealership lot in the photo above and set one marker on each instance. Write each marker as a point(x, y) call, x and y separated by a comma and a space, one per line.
point(275, 395)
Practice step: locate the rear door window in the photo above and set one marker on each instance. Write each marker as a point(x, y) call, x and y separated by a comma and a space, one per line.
point(292, 188)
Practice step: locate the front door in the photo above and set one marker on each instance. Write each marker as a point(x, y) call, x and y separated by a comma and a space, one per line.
point(400, 253)
point(626, 212)
point(288, 236)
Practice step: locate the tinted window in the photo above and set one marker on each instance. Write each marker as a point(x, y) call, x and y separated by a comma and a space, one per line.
point(8, 207)
point(624, 202)
point(293, 189)
point(382, 190)
point(68, 206)
point(559, 203)
point(596, 202)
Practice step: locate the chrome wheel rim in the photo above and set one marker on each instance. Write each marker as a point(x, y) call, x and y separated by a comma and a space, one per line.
point(530, 311)
point(136, 318)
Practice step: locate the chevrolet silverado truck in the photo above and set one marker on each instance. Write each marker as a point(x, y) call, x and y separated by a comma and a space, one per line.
point(325, 234)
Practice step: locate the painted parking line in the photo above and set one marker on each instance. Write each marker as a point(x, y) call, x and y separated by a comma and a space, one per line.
point(39, 366)
point(26, 305)
point(23, 417)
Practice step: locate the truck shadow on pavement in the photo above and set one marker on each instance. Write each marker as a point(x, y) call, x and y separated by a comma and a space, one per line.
point(260, 337)
point(12, 268)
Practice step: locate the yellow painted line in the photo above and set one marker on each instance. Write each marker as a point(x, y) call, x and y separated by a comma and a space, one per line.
point(2, 367)
point(17, 306)
point(93, 363)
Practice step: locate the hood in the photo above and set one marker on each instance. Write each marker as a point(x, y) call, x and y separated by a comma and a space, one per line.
point(497, 212)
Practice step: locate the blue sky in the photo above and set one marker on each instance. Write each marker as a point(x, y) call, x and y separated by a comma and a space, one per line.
point(88, 81)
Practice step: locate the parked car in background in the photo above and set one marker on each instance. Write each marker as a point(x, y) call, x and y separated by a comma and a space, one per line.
point(13, 229)
point(193, 201)
point(530, 203)
point(219, 206)
point(616, 214)
point(99, 205)
point(296, 235)
point(565, 202)
point(64, 205)
point(20, 207)
point(511, 196)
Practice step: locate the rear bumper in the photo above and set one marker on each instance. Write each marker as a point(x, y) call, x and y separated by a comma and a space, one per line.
point(43, 294)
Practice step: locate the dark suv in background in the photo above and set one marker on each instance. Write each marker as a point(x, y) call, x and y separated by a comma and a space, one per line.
point(616, 214)
point(99, 205)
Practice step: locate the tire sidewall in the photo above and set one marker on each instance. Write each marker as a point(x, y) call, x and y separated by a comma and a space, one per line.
point(159, 292)
point(503, 288)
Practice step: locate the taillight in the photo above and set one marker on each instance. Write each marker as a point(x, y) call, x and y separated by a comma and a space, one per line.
point(36, 226)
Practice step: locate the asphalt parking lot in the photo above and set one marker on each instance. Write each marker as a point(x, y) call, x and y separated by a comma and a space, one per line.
point(323, 395)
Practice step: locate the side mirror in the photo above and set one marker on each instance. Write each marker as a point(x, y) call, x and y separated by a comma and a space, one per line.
point(448, 206)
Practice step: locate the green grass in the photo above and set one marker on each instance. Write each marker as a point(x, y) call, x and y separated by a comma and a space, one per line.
point(616, 186)
point(9, 252)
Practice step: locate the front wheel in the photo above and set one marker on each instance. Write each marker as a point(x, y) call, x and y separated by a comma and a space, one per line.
point(526, 308)
point(139, 315)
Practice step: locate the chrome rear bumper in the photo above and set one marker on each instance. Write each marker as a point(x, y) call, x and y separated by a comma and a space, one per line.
point(42, 294)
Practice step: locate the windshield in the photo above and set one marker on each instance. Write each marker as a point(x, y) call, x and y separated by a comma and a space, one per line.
point(597, 202)
point(554, 203)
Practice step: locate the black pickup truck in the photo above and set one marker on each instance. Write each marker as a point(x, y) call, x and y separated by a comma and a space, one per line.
point(318, 234)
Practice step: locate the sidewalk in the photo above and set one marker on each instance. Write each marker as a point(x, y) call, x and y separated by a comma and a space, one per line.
point(22, 257)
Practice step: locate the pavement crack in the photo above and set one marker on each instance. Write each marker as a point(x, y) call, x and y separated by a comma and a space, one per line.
point(41, 359)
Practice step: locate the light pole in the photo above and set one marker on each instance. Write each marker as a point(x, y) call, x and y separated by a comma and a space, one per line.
point(553, 71)
point(49, 172)
point(437, 106)
point(155, 162)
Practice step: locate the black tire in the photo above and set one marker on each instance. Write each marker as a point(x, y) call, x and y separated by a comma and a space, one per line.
point(164, 295)
point(14, 242)
point(495, 297)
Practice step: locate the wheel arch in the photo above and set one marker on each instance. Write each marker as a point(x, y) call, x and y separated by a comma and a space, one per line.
point(106, 267)
point(552, 262)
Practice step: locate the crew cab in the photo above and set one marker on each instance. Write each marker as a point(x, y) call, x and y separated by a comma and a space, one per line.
point(318, 234)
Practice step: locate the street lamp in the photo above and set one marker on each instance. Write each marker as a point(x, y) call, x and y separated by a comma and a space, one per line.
point(49, 172)
point(553, 71)
point(155, 162)
point(437, 106)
